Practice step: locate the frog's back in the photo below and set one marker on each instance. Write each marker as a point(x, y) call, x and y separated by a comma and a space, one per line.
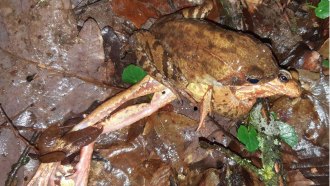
point(202, 49)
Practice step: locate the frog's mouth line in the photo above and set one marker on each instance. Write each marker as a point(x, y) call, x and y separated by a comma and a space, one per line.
point(271, 88)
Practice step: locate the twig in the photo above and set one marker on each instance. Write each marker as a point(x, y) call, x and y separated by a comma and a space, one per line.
point(23, 160)
point(14, 129)
point(282, 9)
point(240, 161)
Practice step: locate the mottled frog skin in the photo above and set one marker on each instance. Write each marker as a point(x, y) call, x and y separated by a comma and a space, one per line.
point(199, 58)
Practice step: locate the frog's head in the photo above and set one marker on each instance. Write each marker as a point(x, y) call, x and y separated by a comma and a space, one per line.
point(282, 84)
point(252, 71)
point(235, 101)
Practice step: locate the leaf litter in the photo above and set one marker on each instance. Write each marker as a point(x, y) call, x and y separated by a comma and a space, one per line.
point(47, 66)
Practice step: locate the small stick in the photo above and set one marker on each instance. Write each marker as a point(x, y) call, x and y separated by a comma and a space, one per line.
point(14, 129)
point(23, 160)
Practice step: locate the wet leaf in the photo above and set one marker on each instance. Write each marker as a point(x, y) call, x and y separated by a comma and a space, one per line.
point(288, 134)
point(86, 57)
point(322, 9)
point(248, 136)
point(133, 74)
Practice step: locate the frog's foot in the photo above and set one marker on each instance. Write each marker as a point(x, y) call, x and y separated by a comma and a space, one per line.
point(205, 108)
point(56, 174)
point(200, 11)
point(80, 176)
point(45, 174)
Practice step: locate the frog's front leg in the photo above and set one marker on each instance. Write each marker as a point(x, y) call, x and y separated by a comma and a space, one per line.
point(202, 93)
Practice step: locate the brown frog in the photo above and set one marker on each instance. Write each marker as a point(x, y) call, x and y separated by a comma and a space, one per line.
point(223, 70)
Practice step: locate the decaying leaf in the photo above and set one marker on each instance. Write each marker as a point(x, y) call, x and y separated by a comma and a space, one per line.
point(288, 134)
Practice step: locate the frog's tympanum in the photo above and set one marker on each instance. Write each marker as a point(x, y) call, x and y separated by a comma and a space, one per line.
point(223, 70)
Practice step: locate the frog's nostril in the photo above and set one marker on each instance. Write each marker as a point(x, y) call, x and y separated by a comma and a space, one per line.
point(252, 80)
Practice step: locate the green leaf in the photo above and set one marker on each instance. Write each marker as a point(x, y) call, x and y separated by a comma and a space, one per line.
point(322, 9)
point(288, 134)
point(248, 136)
point(133, 74)
point(325, 63)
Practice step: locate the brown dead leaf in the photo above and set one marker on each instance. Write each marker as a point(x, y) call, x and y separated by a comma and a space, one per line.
point(139, 11)
point(171, 134)
point(162, 176)
point(324, 49)
point(134, 10)
point(86, 56)
point(252, 4)
point(295, 178)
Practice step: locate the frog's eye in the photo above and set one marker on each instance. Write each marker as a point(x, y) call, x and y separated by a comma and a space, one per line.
point(284, 76)
point(252, 80)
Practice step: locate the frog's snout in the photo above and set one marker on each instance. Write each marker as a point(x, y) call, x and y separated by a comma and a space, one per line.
point(283, 84)
point(292, 89)
point(288, 82)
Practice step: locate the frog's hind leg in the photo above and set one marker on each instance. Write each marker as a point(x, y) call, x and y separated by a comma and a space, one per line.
point(124, 117)
point(205, 108)
point(147, 85)
point(200, 11)
point(131, 114)
point(155, 60)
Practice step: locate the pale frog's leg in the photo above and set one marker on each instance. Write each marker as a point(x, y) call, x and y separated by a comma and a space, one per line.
point(120, 119)
point(45, 174)
point(202, 93)
point(200, 11)
point(80, 177)
point(205, 108)
point(133, 113)
point(147, 85)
